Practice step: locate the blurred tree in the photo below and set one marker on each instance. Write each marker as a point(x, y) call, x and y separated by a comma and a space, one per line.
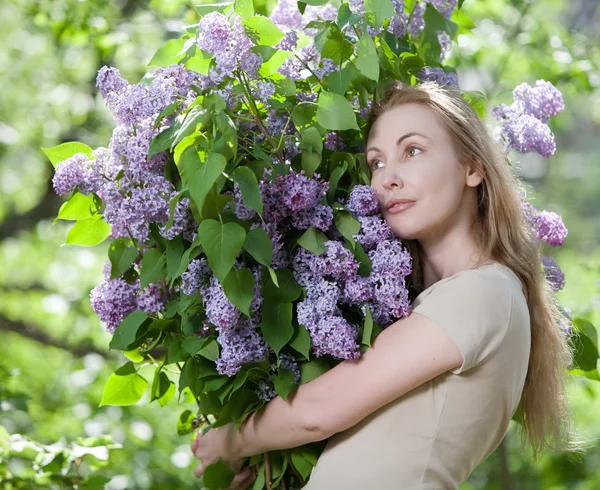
point(55, 358)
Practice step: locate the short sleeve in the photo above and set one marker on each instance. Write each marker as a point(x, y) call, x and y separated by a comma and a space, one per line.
point(474, 309)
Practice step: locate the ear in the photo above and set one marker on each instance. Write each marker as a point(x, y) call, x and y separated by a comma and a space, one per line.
point(474, 173)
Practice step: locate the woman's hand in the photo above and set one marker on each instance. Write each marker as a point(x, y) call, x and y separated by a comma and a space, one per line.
point(218, 443)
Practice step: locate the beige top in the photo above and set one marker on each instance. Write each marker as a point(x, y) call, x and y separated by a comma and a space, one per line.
point(435, 435)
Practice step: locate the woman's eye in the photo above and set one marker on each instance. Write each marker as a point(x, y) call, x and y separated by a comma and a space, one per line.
point(410, 148)
point(375, 164)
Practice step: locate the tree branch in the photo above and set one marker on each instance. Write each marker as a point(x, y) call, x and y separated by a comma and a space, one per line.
point(31, 332)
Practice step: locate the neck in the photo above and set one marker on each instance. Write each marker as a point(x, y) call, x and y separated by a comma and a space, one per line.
point(449, 254)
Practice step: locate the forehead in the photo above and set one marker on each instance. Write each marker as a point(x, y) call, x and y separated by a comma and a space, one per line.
point(404, 119)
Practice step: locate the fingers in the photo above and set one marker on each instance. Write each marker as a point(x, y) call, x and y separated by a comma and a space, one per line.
point(195, 445)
point(242, 480)
point(199, 471)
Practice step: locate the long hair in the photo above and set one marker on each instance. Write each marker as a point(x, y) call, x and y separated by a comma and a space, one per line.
point(503, 232)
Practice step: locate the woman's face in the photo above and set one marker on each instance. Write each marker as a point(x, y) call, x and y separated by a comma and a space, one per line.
point(414, 169)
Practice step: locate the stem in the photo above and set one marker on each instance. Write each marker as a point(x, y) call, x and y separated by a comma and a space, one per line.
point(257, 119)
point(312, 72)
point(135, 243)
point(268, 471)
point(297, 473)
point(289, 119)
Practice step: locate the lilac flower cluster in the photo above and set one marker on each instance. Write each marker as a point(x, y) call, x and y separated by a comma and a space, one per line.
point(332, 279)
point(553, 273)
point(524, 121)
point(439, 76)
point(115, 299)
point(266, 388)
point(546, 225)
point(230, 46)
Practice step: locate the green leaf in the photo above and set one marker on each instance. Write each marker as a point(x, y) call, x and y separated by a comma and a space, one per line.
point(271, 66)
point(301, 463)
point(335, 112)
point(174, 252)
point(476, 100)
point(367, 61)
point(164, 140)
point(301, 341)
point(193, 344)
point(79, 206)
point(588, 328)
point(210, 350)
point(88, 232)
point(134, 355)
point(153, 267)
point(61, 152)
point(339, 81)
point(244, 8)
point(239, 289)
point(163, 388)
point(121, 257)
point(126, 332)
point(586, 352)
point(312, 369)
point(184, 423)
point(197, 119)
point(333, 45)
point(284, 383)
point(218, 475)
point(276, 325)
point(199, 176)
point(435, 21)
point(346, 224)
point(248, 184)
point(313, 240)
point(259, 246)
point(310, 162)
point(262, 31)
point(376, 11)
point(124, 387)
point(221, 244)
point(288, 290)
point(312, 138)
point(168, 54)
point(200, 62)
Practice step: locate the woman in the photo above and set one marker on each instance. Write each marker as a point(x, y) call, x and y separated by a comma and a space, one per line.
point(434, 395)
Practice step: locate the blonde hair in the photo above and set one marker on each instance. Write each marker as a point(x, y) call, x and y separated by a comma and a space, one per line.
point(504, 234)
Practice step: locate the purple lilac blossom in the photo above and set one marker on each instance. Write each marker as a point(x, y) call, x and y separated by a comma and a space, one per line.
point(263, 90)
point(549, 227)
point(444, 7)
point(183, 222)
point(289, 41)
point(439, 76)
point(266, 389)
point(321, 301)
point(286, 14)
point(113, 301)
point(363, 201)
point(554, 274)
point(334, 142)
point(337, 261)
point(195, 276)
point(219, 310)
point(525, 133)
point(358, 290)
point(373, 230)
point(416, 23)
point(321, 217)
point(445, 44)
point(241, 344)
point(77, 172)
point(333, 335)
point(540, 101)
point(151, 299)
point(214, 33)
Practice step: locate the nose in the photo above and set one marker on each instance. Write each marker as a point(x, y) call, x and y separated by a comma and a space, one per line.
point(392, 180)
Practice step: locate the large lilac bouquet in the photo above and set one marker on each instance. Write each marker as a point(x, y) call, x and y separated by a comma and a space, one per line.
point(245, 239)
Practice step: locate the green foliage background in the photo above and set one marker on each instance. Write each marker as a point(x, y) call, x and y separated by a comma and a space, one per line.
point(55, 357)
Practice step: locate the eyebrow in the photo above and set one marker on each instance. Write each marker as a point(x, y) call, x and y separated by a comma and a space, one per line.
point(400, 140)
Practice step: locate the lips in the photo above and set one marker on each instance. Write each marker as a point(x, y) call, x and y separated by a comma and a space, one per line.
point(395, 202)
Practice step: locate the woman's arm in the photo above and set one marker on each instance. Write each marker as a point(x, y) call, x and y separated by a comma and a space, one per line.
point(405, 355)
